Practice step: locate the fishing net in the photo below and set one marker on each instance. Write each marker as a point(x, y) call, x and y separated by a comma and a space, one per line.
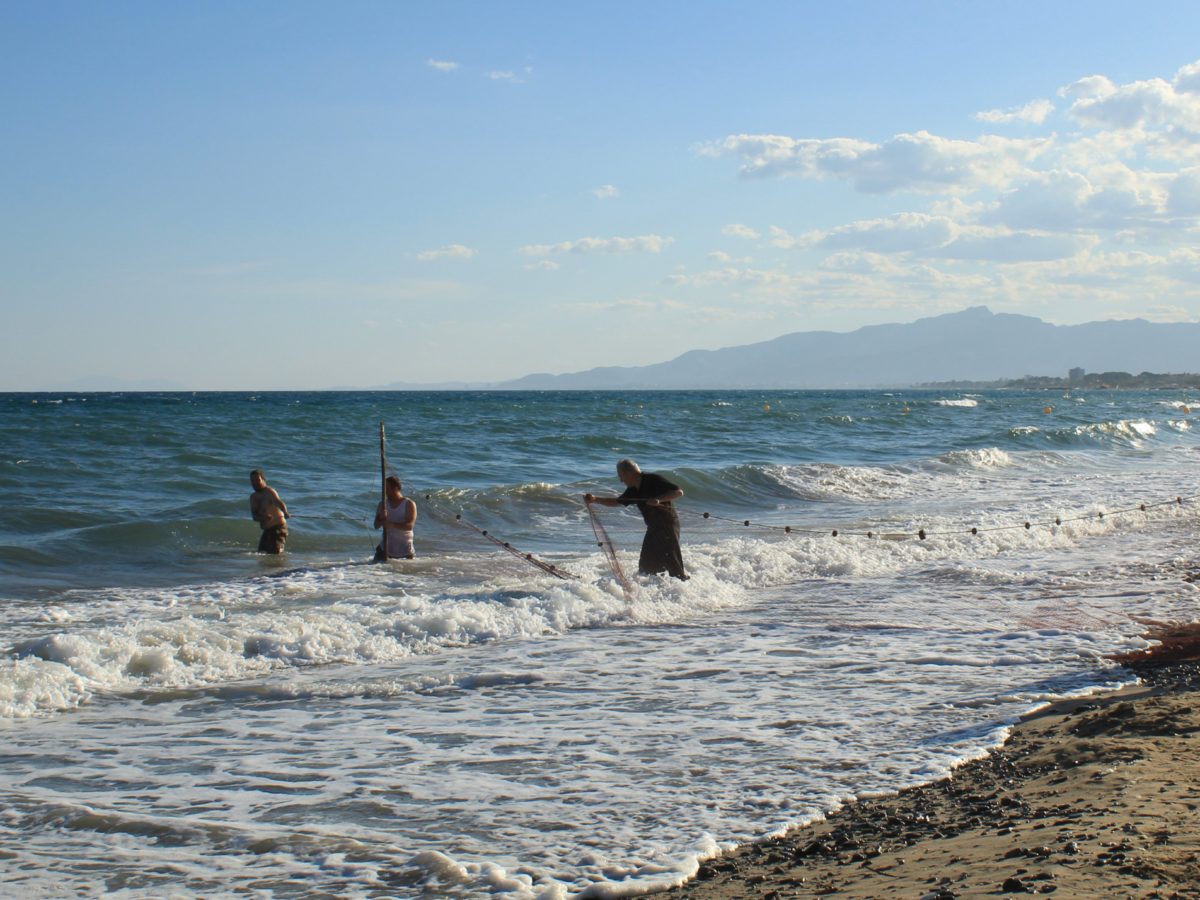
point(606, 545)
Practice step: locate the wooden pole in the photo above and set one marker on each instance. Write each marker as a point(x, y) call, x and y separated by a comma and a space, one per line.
point(383, 487)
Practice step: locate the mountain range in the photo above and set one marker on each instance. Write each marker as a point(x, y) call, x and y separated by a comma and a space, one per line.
point(972, 345)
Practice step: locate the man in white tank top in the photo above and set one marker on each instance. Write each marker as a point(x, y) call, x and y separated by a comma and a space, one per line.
point(400, 513)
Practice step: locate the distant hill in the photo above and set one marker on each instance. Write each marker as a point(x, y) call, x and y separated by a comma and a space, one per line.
point(973, 345)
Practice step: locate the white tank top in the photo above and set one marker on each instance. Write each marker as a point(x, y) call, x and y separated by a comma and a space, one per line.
point(400, 540)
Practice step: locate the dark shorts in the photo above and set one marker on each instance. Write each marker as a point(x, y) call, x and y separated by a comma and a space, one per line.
point(272, 539)
point(381, 557)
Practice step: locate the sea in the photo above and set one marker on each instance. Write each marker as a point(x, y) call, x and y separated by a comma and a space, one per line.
point(882, 582)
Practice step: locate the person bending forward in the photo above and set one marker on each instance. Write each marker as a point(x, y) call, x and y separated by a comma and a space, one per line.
point(653, 495)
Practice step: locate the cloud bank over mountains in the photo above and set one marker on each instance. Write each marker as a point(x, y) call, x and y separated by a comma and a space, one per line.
point(1096, 194)
point(1085, 202)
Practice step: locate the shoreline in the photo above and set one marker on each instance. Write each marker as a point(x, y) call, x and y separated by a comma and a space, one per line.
point(1096, 796)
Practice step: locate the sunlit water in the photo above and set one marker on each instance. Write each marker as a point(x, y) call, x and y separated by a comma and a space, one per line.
point(180, 716)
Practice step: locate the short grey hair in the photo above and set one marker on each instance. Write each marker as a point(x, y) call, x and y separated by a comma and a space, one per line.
point(629, 466)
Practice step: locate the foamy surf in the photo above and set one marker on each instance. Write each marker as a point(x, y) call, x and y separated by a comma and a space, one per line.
point(211, 722)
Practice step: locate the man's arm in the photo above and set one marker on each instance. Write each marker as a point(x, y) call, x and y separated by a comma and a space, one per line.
point(603, 501)
point(660, 489)
point(670, 495)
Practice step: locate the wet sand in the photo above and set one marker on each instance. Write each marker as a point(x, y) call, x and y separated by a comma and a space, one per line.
point(1096, 798)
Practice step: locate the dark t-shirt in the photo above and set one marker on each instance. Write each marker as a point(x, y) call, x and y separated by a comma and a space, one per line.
point(652, 486)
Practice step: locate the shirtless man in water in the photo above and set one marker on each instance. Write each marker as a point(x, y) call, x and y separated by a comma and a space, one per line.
point(269, 511)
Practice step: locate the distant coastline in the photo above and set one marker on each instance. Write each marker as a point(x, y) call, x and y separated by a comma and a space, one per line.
point(1107, 381)
point(1091, 381)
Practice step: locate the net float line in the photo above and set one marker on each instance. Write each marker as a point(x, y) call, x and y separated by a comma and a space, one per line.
point(548, 567)
point(923, 534)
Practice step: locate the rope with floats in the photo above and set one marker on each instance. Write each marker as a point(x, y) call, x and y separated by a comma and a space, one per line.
point(923, 534)
point(548, 567)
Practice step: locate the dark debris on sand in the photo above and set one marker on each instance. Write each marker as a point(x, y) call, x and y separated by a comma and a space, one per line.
point(1049, 812)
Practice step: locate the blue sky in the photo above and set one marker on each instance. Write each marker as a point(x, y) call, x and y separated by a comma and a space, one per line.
point(300, 195)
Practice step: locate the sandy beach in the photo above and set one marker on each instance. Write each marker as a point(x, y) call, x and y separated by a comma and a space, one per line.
point(1094, 797)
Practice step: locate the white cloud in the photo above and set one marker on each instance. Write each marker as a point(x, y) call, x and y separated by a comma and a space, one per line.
point(1163, 313)
point(784, 241)
point(453, 251)
point(918, 234)
point(1035, 112)
point(1098, 102)
point(1111, 197)
point(1187, 79)
point(606, 191)
point(1093, 217)
point(1184, 193)
point(1042, 200)
point(542, 265)
point(740, 231)
point(442, 65)
point(1090, 87)
point(649, 243)
point(1003, 246)
point(735, 275)
point(1183, 264)
point(720, 256)
point(914, 162)
point(905, 232)
point(510, 75)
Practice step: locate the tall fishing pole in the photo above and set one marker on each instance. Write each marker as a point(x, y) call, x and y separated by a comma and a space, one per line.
point(383, 487)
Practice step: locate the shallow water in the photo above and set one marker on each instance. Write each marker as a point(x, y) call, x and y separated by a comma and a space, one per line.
point(179, 712)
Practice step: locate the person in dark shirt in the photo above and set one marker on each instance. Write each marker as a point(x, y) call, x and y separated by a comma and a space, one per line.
point(654, 495)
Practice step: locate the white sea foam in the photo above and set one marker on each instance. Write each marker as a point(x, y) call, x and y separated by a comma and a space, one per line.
point(350, 617)
point(1130, 430)
point(462, 725)
point(965, 402)
point(982, 458)
point(833, 482)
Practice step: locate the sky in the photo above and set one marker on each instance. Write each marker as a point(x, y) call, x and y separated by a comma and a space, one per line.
point(297, 195)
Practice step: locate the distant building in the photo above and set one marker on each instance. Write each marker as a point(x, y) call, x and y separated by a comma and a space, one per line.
point(1075, 375)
